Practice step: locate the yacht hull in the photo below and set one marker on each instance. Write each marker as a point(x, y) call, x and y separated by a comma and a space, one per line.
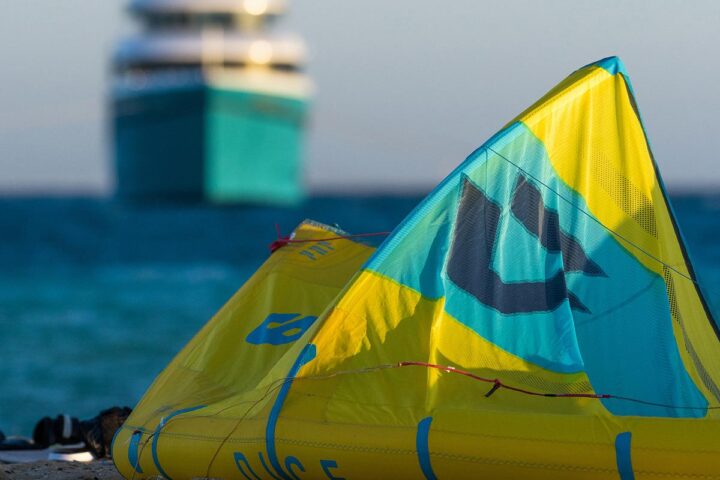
point(208, 142)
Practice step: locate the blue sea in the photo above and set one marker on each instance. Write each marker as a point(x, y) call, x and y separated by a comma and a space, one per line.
point(97, 296)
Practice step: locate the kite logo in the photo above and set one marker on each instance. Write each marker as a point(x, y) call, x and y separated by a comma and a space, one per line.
point(280, 328)
point(475, 243)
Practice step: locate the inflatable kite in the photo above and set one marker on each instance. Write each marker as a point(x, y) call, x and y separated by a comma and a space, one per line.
point(535, 317)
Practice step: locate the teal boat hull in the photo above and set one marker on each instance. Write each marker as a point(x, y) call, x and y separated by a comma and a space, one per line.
point(209, 143)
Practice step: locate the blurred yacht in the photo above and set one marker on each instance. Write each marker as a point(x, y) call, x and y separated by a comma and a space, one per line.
point(210, 102)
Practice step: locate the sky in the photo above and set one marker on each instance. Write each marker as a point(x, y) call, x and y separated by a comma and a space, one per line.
point(405, 89)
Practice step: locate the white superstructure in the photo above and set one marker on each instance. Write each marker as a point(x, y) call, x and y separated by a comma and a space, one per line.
point(232, 42)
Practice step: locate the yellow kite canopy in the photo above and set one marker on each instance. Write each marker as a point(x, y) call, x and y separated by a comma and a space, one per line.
point(535, 317)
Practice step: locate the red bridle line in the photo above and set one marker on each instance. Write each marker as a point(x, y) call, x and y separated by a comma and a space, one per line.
point(497, 383)
point(282, 241)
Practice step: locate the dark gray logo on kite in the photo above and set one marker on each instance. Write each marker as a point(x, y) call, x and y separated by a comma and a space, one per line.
point(475, 238)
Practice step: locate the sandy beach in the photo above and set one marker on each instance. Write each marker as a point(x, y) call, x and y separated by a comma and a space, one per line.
point(100, 470)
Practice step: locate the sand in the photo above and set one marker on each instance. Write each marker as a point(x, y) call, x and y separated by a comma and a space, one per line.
point(100, 470)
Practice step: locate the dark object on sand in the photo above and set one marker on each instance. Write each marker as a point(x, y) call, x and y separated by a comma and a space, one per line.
point(62, 430)
point(18, 443)
point(98, 432)
point(75, 436)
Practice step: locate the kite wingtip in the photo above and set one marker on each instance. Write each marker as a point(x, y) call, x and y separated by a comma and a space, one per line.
point(612, 64)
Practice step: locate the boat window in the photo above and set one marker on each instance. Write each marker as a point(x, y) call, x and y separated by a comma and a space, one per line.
point(149, 66)
point(180, 20)
point(167, 20)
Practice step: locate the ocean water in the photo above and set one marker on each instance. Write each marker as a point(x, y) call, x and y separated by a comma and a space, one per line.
point(97, 296)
